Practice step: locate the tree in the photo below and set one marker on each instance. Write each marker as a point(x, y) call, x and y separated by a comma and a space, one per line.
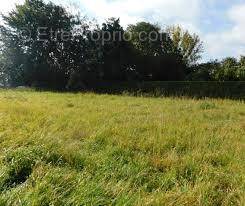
point(228, 69)
point(204, 71)
point(229, 62)
point(231, 70)
point(12, 59)
point(148, 39)
point(241, 70)
point(3, 77)
point(187, 45)
point(242, 61)
point(42, 45)
point(156, 59)
point(116, 51)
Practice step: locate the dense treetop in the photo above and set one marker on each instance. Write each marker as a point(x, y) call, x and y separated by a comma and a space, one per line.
point(44, 45)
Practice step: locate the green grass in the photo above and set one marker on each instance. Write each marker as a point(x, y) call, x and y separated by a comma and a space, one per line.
point(88, 149)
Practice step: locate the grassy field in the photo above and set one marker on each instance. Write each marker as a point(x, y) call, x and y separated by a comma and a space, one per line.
point(88, 149)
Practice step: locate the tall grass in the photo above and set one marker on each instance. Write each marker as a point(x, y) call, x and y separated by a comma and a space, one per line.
point(88, 149)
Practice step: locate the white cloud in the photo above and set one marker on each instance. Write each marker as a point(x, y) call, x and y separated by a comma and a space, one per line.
point(8, 5)
point(157, 11)
point(237, 15)
point(229, 42)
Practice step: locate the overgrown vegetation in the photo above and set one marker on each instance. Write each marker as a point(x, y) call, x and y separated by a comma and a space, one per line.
point(229, 69)
point(97, 148)
point(88, 149)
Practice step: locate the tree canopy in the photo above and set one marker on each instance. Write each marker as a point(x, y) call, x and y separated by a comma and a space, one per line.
point(44, 45)
point(188, 45)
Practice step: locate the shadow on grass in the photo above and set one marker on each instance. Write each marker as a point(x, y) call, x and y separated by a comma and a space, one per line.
point(199, 90)
point(234, 90)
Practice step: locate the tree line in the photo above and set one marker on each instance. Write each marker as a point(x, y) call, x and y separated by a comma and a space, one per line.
point(228, 69)
point(45, 45)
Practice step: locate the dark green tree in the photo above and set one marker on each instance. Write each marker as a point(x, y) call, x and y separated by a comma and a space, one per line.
point(41, 43)
point(116, 50)
point(156, 59)
point(149, 40)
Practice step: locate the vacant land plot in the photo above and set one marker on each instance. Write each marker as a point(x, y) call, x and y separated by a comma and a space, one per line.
point(88, 149)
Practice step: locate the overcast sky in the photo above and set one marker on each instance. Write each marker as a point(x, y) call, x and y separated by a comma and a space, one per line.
point(220, 23)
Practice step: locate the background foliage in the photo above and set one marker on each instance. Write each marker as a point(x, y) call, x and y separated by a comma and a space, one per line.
point(30, 58)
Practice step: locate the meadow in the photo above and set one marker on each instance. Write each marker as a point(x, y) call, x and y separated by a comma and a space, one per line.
point(99, 149)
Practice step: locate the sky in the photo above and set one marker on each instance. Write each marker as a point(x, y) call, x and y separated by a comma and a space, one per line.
point(219, 23)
